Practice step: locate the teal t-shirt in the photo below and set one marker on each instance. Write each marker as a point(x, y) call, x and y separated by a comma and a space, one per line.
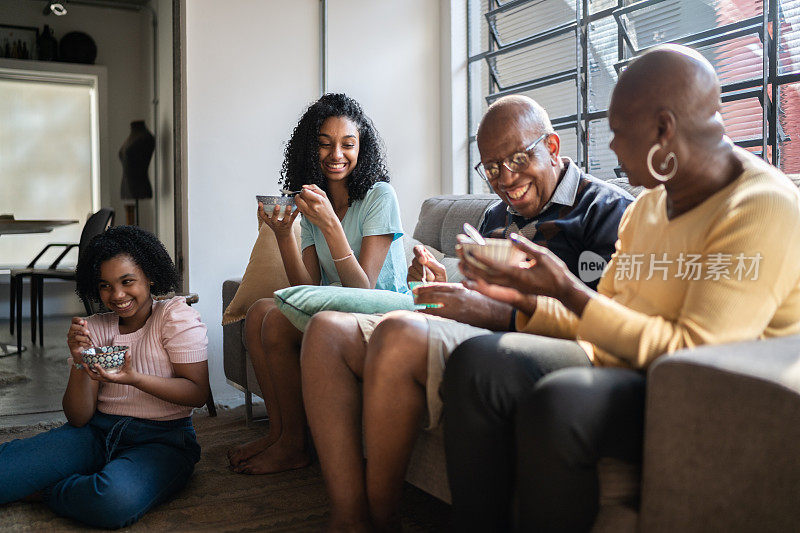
point(377, 214)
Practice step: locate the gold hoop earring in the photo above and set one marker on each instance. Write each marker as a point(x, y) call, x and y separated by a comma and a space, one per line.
point(663, 166)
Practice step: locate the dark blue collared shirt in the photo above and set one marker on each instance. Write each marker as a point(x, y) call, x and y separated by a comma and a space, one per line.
point(582, 215)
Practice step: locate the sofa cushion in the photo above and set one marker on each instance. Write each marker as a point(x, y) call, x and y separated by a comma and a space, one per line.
point(264, 274)
point(441, 218)
point(300, 303)
point(427, 469)
point(451, 267)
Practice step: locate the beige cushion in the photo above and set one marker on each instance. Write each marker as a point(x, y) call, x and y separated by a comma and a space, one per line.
point(263, 276)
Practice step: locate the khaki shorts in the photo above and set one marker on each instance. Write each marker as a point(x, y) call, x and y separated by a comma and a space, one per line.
point(444, 335)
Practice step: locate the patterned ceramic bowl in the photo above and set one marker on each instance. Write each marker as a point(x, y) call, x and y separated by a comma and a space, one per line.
point(286, 204)
point(110, 358)
point(501, 250)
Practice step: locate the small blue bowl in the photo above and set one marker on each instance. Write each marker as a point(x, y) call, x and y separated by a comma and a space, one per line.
point(413, 285)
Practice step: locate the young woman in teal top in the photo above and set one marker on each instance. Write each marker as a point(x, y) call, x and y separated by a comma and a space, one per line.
point(350, 236)
point(378, 214)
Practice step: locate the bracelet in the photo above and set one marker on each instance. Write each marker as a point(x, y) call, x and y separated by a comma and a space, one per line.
point(343, 258)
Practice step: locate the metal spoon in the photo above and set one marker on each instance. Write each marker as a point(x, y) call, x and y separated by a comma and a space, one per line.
point(473, 233)
point(287, 192)
point(425, 271)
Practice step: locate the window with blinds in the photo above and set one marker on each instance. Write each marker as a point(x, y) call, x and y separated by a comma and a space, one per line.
point(48, 158)
point(566, 55)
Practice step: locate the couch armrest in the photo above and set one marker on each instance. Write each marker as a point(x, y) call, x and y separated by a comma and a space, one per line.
point(721, 433)
point(234, 361)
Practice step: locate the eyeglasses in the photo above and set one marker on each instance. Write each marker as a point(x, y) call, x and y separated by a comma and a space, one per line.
point(515, 162)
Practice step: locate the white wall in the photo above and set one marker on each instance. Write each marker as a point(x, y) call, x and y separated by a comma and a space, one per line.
point(252, 67)
point(386, 56)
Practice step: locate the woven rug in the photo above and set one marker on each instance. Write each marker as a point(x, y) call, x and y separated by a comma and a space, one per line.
point(217, 499)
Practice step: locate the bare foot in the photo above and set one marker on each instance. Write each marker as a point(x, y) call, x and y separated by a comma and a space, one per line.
point(247, 450)
point(276, 458)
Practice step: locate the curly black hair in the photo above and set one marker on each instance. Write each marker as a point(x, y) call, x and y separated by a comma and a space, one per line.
point(301, 164)
point(140, 245)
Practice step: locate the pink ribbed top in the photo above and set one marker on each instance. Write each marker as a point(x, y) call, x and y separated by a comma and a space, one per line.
point(173, 333)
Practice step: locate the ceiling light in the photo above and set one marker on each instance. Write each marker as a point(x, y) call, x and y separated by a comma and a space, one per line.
point(56, 8)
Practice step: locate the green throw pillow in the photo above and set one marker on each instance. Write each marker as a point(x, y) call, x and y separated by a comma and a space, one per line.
point(300, 303)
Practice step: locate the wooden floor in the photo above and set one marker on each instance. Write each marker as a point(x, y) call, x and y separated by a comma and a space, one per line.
point(219, 500)
point(38, 397)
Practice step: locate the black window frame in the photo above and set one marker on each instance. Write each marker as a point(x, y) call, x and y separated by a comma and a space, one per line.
point(766, 88)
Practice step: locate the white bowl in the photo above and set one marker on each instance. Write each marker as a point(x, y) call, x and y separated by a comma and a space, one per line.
point(109, 358)
point(500, 250)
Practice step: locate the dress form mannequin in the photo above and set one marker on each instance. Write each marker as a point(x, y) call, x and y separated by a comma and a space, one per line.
point(135, 154)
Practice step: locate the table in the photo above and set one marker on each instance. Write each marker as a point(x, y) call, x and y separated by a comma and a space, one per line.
point(11, 226)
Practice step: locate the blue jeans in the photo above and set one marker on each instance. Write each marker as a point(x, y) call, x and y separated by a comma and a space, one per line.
point(107, 473)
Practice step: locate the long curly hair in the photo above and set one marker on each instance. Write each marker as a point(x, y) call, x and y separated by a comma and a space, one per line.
point(301, 165)
point(140, 245)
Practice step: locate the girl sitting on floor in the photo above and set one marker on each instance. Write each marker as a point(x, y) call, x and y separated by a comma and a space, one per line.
point(128, 443)
point(350, 236)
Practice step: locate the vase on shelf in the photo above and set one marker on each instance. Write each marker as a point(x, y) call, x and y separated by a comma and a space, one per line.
point(47, 45)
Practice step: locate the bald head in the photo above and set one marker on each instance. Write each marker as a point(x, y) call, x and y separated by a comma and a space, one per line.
point(513, 125)
point(515, 112)
point(672, 78)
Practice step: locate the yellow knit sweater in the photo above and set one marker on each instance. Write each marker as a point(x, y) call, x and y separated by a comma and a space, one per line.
point(725, 271)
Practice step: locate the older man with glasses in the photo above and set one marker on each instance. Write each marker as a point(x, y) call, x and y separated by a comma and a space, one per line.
point(546, 198)
point(400, 356)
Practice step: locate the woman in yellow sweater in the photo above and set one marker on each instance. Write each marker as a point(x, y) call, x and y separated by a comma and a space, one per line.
point(702, 258)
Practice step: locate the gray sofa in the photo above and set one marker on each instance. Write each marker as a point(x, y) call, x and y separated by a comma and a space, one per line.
point(722, 424)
